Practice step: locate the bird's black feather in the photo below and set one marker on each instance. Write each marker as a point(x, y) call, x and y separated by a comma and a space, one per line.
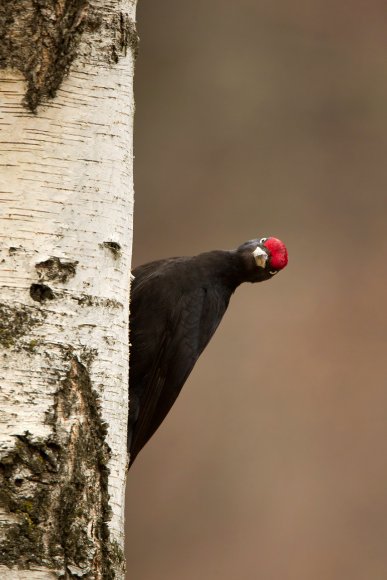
point(166, 342)
point(176, 306)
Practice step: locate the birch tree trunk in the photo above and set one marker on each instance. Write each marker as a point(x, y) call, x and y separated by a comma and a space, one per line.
point(66, 190)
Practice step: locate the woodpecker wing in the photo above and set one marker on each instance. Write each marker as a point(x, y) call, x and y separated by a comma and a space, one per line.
point(169, 332)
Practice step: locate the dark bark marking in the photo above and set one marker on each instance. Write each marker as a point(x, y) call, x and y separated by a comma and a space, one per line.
point(58, 488)
point(41, 292)
point(114, 247)
point(125, 37)
point(89, 300)
point(40, 38)
point(132, 37)
point(56, 269)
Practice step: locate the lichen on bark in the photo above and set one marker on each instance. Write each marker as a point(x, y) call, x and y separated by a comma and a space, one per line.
point(17, 321)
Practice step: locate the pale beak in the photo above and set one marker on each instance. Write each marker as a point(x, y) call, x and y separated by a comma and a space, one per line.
point(260, 257)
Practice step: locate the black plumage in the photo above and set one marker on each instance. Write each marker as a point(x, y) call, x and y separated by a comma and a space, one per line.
point(176, 306)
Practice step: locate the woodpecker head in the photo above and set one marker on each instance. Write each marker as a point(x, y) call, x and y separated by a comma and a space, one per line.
point(263, 258)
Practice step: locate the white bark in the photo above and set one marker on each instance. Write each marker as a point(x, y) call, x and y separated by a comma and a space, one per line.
point(65, 247)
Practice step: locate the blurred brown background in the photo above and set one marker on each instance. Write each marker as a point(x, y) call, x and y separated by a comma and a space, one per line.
point(256, 118)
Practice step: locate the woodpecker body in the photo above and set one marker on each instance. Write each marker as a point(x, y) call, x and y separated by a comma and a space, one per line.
point(176, 306)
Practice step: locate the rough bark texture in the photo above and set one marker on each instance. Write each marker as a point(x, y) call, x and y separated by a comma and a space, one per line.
point(41, 38)
point(65, 247)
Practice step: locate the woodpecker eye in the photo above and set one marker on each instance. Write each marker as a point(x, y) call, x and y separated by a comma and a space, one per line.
point(262, 240)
